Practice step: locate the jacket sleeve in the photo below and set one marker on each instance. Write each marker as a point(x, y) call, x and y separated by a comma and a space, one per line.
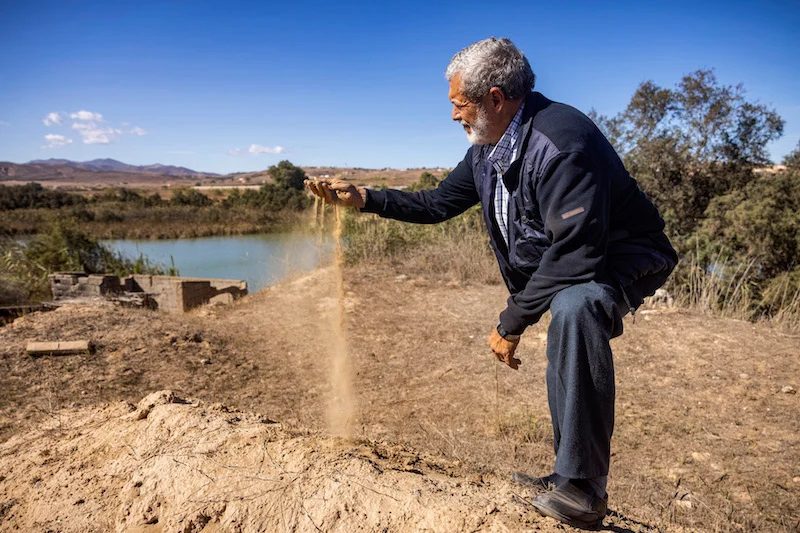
point(454, 195)
point(574, 203)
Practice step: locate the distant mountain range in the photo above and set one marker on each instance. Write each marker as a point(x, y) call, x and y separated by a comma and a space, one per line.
point(95, 170)
point(112, 165)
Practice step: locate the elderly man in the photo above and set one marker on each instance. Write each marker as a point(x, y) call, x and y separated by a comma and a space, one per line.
point(573, 234)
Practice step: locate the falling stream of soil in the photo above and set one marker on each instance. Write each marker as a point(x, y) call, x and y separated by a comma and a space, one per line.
point(341, 406)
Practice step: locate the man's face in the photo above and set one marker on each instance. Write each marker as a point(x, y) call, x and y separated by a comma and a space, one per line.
point(473, 116)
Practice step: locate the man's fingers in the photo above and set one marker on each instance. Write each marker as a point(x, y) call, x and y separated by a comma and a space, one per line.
point(327, 194)
point(339, 185)
point(344, 196)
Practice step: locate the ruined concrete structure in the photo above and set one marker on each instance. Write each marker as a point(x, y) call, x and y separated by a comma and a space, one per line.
point(167, 293)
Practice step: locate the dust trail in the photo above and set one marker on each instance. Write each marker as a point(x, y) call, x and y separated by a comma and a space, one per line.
point(341, 405)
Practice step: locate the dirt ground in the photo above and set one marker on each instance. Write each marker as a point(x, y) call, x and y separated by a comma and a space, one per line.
point(706, 436)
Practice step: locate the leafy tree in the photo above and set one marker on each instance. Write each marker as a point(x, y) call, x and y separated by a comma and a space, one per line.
point(287, 176)
point(690, 144)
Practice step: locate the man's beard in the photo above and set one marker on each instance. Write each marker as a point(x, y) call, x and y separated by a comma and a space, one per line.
point(479, 131)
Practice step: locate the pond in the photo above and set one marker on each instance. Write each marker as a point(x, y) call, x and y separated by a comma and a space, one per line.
point(261, 260)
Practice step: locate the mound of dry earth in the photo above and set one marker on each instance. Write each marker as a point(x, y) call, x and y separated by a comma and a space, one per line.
point(170, 464)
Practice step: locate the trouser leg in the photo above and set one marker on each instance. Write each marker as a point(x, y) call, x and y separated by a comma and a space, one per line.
point(580, 377)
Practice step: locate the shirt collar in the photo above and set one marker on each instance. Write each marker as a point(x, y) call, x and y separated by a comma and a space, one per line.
point(502, 155)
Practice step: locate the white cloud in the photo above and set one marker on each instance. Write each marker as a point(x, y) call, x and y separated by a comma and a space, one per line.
point(88, 116)
point(91, 126)
point(54, 140)
point(52, 119)
point(91, 133)
point(258, 149)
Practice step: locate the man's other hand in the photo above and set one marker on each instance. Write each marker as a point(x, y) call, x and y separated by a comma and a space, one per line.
point(504, 349)
point(336, 191)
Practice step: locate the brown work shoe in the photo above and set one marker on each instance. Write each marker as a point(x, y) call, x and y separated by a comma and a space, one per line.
point(548, 482)
point(572, 506)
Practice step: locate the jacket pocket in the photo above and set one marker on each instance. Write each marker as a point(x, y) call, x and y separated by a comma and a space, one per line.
point(527, 245)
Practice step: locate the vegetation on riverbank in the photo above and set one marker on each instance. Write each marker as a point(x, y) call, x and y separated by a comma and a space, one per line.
point(126, 213)
point(24, 267)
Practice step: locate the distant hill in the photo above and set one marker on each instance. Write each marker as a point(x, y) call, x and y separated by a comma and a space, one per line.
point(112, 165)
point(108, 171)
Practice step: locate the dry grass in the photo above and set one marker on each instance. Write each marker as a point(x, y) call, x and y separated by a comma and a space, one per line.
point(457, 250)
point(732, 289)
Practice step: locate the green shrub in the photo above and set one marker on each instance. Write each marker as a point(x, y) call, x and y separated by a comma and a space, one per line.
point(33, 195)
point(24, 267)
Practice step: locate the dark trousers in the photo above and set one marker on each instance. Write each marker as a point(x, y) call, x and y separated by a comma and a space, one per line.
point(580, 376)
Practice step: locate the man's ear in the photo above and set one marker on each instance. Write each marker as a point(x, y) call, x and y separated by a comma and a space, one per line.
point(498, 98)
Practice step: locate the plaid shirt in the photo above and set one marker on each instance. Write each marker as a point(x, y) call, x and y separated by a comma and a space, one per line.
point(502, 155)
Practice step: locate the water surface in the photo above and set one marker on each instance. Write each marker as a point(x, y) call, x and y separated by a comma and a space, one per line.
point(261, 260)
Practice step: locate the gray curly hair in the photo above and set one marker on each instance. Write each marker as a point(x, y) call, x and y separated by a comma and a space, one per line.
point(491, 63)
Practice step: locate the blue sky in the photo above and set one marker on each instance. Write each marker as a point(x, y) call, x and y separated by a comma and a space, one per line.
point(353, 83)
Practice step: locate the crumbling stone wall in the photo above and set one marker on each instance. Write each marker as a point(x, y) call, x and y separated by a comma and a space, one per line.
point(170, 293)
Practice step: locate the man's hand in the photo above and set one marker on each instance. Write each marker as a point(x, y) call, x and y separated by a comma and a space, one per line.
point(503, 349)
point(336, 191)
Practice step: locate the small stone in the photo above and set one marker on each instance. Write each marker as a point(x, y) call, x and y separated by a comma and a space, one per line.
point(205, 361)
point(491, 509)
point(788, 389)
point(684, 504)
point(744, 376)
point(701, 457)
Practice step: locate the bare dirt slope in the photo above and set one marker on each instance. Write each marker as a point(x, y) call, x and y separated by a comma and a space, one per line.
point(172, 465)
point(705, 439)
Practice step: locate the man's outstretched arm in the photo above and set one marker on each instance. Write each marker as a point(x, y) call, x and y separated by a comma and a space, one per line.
point(454, 195)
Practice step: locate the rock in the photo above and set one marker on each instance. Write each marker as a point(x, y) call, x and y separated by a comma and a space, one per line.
point(684, 504)
point(660, 299)
point(701, 457)
point(683, 499)
point(788, 389)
